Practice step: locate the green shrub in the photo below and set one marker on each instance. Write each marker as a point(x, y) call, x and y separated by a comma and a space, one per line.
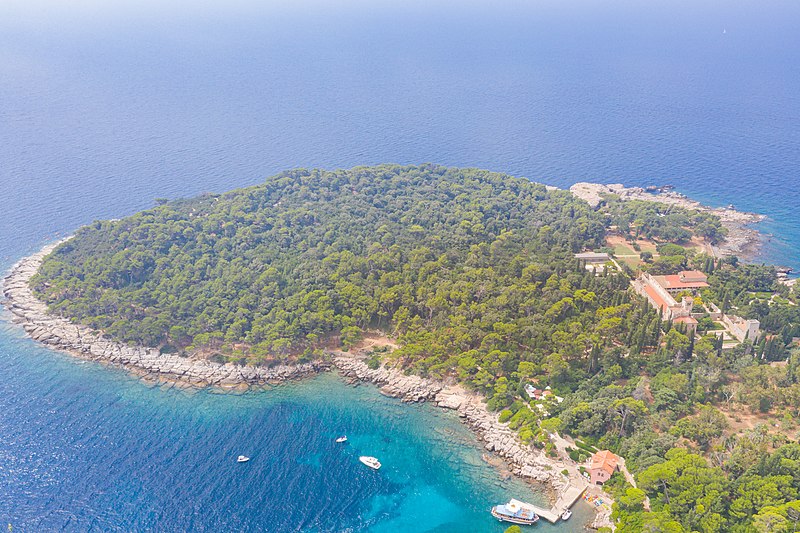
point(574, 454)
point(526, 435)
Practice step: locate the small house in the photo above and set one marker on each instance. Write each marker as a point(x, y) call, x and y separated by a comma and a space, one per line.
point(604, 463)
point(541, 394)
point(537, 394)
point(533, 392)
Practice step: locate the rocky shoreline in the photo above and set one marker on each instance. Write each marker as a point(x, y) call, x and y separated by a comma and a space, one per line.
point(78, 340)
point(498, 438)
point(83, 342)
point(522, 460)
point(742, 240)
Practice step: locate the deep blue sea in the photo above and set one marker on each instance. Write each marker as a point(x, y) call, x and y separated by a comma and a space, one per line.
point(105, 106)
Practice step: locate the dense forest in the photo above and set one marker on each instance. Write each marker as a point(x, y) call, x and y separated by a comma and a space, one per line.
point(474, 274)
point(273, 271)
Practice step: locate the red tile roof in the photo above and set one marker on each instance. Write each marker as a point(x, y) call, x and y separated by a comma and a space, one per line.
point(692, 276)
point(605, 460)
point(653, 294)
point(673, 281)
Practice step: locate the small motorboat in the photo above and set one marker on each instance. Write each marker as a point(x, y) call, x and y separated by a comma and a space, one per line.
point(371, 462)
point(341, 439)
point(242, 459)
point(566, 514)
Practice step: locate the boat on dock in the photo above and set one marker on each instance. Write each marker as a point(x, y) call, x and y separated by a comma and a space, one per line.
point(516, 512)
point(371, 462)
point(559, 511)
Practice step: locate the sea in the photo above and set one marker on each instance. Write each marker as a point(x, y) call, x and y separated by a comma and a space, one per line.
point(106, 106)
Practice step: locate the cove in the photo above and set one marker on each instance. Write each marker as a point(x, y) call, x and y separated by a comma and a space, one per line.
point(92, 448)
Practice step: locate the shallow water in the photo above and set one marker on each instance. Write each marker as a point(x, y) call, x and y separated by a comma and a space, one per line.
point(87, 447)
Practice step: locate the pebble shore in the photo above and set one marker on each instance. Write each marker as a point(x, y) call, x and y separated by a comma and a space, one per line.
point(523, 460)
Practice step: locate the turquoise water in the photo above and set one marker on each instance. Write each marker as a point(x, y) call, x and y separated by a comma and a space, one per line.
point(90, 448)
point(105, 106)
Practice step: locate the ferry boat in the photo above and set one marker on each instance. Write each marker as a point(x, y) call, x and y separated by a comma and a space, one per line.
point(371, 462)
point(242, 459)
point(341, 439)
point(516, 512)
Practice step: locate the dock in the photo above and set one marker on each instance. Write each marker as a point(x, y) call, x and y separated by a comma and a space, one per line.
point(565, 500)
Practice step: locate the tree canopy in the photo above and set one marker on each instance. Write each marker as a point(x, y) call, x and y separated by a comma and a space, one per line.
point(474, 274)
point(282, 266)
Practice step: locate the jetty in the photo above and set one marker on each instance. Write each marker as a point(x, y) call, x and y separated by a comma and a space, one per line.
point(564, 501)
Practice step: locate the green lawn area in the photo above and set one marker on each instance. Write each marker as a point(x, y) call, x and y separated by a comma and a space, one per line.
point(632, 262)
point(762, 295)
point(621, 249)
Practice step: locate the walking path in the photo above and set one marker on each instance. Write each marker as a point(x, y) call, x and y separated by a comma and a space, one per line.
point(629, 478)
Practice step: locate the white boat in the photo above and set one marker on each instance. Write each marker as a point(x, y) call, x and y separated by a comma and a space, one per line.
point(516, 512)
point(343, 438)
point(566, 514)
point(371, 462)
point(242, 459)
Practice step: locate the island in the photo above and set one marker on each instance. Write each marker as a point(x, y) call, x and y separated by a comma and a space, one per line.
point(608, 345)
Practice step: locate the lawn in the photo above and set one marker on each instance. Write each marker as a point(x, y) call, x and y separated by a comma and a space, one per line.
point(621, 249)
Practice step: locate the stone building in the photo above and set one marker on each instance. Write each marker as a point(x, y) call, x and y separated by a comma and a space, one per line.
point(604, 463)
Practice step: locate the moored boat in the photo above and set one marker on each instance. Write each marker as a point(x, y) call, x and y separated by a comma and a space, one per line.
point(566, 514)
point(242, 459)
point(516, 512)
point(343, 438)
point(371, 462)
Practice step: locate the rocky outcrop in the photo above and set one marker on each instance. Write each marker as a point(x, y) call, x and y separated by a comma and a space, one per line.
point(149, 363)
point(391, 382)
point(741, 240)
point(522, 460)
